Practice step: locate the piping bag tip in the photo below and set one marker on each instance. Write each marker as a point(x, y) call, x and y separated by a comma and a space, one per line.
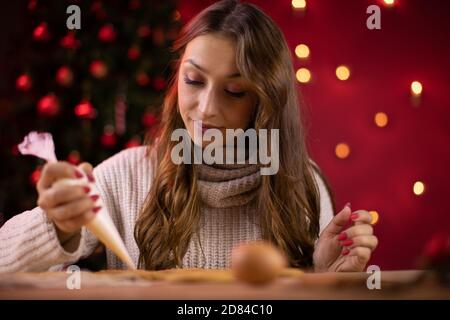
point(105, 231)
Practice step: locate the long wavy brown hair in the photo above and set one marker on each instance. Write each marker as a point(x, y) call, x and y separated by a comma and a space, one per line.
point(288, 202)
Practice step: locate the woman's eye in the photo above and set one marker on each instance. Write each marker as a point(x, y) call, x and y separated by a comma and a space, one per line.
point(199, 83)
point(192, 82)
point(236, 94)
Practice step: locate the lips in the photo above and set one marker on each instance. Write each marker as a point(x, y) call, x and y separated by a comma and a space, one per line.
point(208, 126)
point(204, 126)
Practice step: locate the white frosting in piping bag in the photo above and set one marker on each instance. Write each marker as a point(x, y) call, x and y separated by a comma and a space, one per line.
point(102, 226)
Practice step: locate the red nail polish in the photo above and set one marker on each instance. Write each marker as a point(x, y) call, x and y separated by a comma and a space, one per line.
point(348, 204)
point(86, 189)
point(90, 177)
point(78, 174)
point(354, 216)
point(342, 236)
point(347, 243)
point(96, 209)
point(345, 252)
point(94, 197)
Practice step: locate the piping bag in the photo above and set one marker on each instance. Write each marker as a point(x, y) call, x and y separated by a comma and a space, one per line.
point(41, 145)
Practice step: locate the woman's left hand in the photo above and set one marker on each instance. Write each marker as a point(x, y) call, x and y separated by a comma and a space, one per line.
point(345, 250)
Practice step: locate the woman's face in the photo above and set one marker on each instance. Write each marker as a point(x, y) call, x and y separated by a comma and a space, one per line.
point(210, 88)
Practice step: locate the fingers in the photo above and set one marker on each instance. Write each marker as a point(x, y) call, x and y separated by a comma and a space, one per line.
point(370, 242)
point(358, 241)
point(361, 217)
point(55, 171)
point(339, 221)
point(60, 194)
point(87, 168)
point(72, 209)
point(67, 202)
point(75, 224)
point(356, 230)
point(363, 254)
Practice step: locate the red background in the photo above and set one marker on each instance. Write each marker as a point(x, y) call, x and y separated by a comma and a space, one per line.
point(379, 174)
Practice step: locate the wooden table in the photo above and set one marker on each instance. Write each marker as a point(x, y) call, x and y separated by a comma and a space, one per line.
point(218, 284)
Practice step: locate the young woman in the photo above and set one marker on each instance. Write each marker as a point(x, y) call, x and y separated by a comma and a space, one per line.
point(234, 72)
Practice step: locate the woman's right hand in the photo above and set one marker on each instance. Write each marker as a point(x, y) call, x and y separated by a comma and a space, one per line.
point(68, 206)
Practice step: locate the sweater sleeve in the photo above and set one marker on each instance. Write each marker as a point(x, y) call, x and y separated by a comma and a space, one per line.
point(28, 242)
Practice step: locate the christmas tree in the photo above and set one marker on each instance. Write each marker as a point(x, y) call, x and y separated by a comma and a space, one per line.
point(97, 89)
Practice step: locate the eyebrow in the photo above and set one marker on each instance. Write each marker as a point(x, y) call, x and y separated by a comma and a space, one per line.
point(234, 75)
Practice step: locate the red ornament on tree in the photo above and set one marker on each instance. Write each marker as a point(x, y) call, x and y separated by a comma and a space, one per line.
point(41, 33)
point(48, 105)
point(97, 8)
point(134, 53)
point(144, 31)
point(107, 33)
point(85, 110)
point(120, 110)
point(34, 176)
point(134, 142)
point(23, 82)
point(108, 139)
point(142, 79)
point(172, 34)
point(98, 69)
point(158, 36)
point(32, 5)
point(64, 76)
point(176, 15)
point(149, 119)
point(15, 150)
point(159, 83)
point(69, 41)
point(437, 249)
point(74, 157)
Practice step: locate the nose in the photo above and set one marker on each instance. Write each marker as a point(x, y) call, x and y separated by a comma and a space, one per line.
point(208, 104)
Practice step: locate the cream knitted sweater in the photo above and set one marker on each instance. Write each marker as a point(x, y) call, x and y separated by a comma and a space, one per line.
point(28, 241)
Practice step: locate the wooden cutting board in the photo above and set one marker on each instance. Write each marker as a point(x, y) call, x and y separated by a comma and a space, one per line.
point(107, 278)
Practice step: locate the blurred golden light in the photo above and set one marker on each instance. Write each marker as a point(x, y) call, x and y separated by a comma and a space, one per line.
point(381, 119)
point(303, 75)
point(419, 188)
point(375, 216)
point(302, 51)
point(342, 150)
point(416, 88)
point(176, 15)
point(299, 4)
point(343, 73)
point(389, 2)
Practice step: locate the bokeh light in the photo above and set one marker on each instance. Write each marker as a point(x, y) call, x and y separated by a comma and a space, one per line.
point(343, 73)
point(381, 119)
point(303, 75)
point(302, 51)
point(342, 150)
point(419, 188)
point(416, 88)
point(299, 4)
